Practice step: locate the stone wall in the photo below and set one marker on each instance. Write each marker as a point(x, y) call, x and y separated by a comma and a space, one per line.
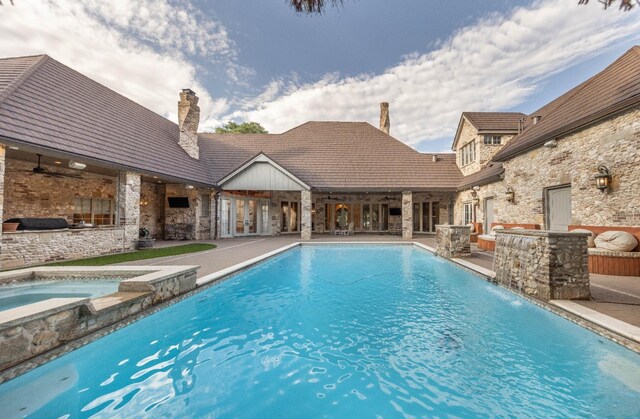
point(26, 248)
point(128, 205)
point(28, 194)
point(453, 241)
point(546, 265)
point(187, 223)
point(152, 198)
point(613, 142)
point(484, 153)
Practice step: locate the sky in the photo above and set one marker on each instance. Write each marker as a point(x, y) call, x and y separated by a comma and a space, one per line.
point(257, 60)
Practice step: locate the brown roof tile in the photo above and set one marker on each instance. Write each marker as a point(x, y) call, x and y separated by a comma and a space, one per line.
point(336, 156)
point(48, 105)
point(613, 90)
point(492, 172)
point(495, 121)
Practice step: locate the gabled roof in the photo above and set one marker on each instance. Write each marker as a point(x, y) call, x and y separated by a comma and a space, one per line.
point(490, 123)
point(347, 156)
point(611, 91)
point(492, 172)
point(46, 105)
point(276, 171)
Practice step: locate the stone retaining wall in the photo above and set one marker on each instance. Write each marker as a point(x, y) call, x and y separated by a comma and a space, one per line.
point(26, 248)
point(544, 264)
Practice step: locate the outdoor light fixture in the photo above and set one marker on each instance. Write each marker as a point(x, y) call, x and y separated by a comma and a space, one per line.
point(76, 165)
point(510, 195)
point(189, 186)
point(603, 178)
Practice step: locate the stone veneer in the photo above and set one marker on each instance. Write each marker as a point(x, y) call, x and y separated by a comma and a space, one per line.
point(187, 223)
point(128, 205)
point(613, 142)
point(152, 197)
point(407, 215)
point(188, 121)
point(452, 241)
point(305, 210)
point(543, 264)
point(484, 152)
point(2, 179)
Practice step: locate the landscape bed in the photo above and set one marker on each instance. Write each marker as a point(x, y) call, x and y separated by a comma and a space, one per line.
point(341, 331)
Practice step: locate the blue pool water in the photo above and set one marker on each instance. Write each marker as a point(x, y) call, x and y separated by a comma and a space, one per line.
point(340, 331)
point(15, 295)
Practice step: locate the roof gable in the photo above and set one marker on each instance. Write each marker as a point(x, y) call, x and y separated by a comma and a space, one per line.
point(489, 123)
point(613, 90)
point(262, 173)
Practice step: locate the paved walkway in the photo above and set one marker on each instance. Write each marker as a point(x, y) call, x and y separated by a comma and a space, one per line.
point(615, 296)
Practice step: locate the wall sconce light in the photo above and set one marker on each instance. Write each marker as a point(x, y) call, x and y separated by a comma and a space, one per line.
point(510, 195)
point(603, 178)
point(476, 201)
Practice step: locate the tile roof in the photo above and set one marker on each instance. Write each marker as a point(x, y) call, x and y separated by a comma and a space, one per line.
point(613, 90)
point(495, 121)
point(490, 173)
point(47, 105)
point(347, 156)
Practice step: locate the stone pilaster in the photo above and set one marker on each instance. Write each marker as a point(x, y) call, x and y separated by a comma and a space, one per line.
point(305, 210)
point(548, 265)
point(128, 204)
point(407, 215)
point(453, 241)
point(2, 154)
point(188, 121)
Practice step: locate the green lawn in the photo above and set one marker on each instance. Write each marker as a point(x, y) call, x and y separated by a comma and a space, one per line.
point(138, 255)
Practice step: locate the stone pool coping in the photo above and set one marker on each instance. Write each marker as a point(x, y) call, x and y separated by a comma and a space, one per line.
point(602, 327)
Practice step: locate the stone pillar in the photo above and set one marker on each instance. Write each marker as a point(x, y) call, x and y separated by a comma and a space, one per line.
point(305, 210)
point(128, 204)
point(2, 154)
point(407, 215)
point(453, 241)
point(547, 265)
point(188, 121)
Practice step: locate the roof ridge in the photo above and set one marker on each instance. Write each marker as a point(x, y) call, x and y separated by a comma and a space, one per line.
point(24, 76)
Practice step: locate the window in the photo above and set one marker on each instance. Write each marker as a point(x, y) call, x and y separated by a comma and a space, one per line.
point(467, 213)
point(205, 208)
point(93, 211)
point(290, 219)
point(468, 154)
point(492, 139)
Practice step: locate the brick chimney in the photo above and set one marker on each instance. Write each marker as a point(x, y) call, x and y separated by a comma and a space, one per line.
point(385, 124)
point(188, 121)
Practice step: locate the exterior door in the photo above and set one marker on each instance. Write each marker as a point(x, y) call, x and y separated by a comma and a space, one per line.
point(225, 217)
point(246, 217)
point(488, 215)
point(559, 208)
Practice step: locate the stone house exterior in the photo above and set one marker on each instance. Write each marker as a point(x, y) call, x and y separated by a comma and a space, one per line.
point(75, 150)
point(550, 164)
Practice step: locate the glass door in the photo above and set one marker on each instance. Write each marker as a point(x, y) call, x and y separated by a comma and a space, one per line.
point(225, 217)
point(240, 217)
point(246, 217)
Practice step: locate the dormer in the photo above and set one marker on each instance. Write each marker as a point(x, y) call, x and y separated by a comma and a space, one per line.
point(480, 135)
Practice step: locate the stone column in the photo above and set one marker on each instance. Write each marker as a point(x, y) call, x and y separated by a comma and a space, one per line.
point(453, 241)
point(407, 215)
point(549, 265)
point(305, 220)
point(2, 154)
point(128, 204)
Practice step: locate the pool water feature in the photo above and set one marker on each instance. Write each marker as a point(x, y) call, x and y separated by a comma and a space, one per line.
point(22, 293)
point(340, 331)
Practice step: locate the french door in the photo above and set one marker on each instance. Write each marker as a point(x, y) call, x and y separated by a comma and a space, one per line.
point(426, 215)
point(246, 217)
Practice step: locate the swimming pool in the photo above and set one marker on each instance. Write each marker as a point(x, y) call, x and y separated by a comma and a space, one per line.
point(340, 331)
point(22, 293)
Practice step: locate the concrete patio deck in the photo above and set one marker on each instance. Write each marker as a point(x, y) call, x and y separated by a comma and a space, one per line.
point(614, 296)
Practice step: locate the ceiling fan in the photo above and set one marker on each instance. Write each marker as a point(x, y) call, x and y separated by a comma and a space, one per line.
point(42, 171)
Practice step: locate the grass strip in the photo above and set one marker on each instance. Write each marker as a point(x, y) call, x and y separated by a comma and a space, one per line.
point(138, 255)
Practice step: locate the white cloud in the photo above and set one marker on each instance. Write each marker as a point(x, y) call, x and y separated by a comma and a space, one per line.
point(494, 64)
point(134, 47)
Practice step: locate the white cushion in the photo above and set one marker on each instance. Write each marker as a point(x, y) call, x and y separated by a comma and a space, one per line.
point(472, 227)
point(590, 239)
point(494, 228)
point(619, 241)
point(517, 228)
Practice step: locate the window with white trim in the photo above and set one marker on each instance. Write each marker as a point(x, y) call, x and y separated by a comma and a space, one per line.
point(467, 213)
point(468, 154)
point(492, 139)
point(93, 211)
